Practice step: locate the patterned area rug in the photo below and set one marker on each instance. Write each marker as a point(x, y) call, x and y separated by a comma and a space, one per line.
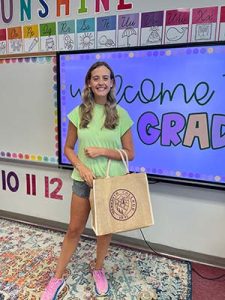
point(28, 256)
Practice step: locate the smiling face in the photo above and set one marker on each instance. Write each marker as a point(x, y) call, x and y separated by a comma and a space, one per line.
point(100, 83)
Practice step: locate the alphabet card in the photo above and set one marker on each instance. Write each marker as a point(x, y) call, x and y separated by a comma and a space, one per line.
point(204, 22)
point(3, 42)
point(128, 30)
point(15, 44)
point(48, 37)
point(177, 26)
point(222, 24)
point(151, 28)
point(66, 35)
point(86, 33)
point(106, 32)
point(31, 38)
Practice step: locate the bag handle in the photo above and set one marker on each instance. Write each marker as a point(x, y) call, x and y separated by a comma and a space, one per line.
point(124, 160)
point(123, 153)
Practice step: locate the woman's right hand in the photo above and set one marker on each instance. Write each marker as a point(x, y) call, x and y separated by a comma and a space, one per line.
point(86, 174)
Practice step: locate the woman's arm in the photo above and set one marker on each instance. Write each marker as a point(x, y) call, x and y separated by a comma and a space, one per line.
point(127, 145)
point(71, 139)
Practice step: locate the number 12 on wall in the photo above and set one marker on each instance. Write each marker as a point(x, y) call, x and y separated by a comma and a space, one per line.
point(54, 194)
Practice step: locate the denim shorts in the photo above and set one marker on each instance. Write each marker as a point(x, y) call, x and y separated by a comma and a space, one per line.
point(81, 189)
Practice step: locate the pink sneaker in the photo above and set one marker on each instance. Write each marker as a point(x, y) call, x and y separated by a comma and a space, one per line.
point(53, 289)
point(101, 283)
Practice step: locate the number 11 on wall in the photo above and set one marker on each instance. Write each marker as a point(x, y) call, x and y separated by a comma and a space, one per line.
point(31, 184)
point(54, 194)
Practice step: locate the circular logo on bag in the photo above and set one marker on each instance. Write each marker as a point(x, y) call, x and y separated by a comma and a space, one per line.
point(122, 205)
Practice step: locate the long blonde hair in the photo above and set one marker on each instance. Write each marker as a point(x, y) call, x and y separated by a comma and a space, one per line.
point(86, 108)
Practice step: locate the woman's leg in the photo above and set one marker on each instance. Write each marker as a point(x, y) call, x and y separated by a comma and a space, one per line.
point(101, 282)
point(103, 242)
point(79, 212)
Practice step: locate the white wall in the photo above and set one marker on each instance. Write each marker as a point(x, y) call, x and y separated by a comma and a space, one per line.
point(188, 218)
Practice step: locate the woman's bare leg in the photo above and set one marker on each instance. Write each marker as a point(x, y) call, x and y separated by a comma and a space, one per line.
point(79, 212)
point(103, 242)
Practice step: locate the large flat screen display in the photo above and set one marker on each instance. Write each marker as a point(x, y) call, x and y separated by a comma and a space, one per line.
point(176, 98)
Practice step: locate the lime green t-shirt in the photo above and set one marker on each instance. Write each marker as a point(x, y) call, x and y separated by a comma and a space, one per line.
point(95, 135)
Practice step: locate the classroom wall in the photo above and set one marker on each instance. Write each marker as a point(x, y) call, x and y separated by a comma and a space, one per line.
point(188, 218)
point(138, 6)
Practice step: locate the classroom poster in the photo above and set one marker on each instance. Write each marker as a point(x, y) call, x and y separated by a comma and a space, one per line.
point(86, 34)
point(128, 30)
point(48, 37)
point(204, 22)
point(3, 42)
point(124, 27)
point(66, 35)
point(31, 38)
point(15, 44)
point(106, 32)
point(177, 26)
point(151, 28)
point(222, 24)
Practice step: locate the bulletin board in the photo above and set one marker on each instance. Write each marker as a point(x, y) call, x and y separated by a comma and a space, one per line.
point(28, 114)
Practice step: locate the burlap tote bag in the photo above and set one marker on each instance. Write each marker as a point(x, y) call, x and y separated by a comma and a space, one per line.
point(120, 203)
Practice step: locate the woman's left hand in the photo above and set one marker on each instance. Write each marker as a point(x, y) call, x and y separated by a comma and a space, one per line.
point(93, 152)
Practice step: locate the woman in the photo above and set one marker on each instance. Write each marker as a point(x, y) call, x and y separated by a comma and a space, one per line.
point(100, 126)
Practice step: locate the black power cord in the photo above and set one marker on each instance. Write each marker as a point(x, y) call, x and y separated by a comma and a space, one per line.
point(149, 246)
point(194, 270)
